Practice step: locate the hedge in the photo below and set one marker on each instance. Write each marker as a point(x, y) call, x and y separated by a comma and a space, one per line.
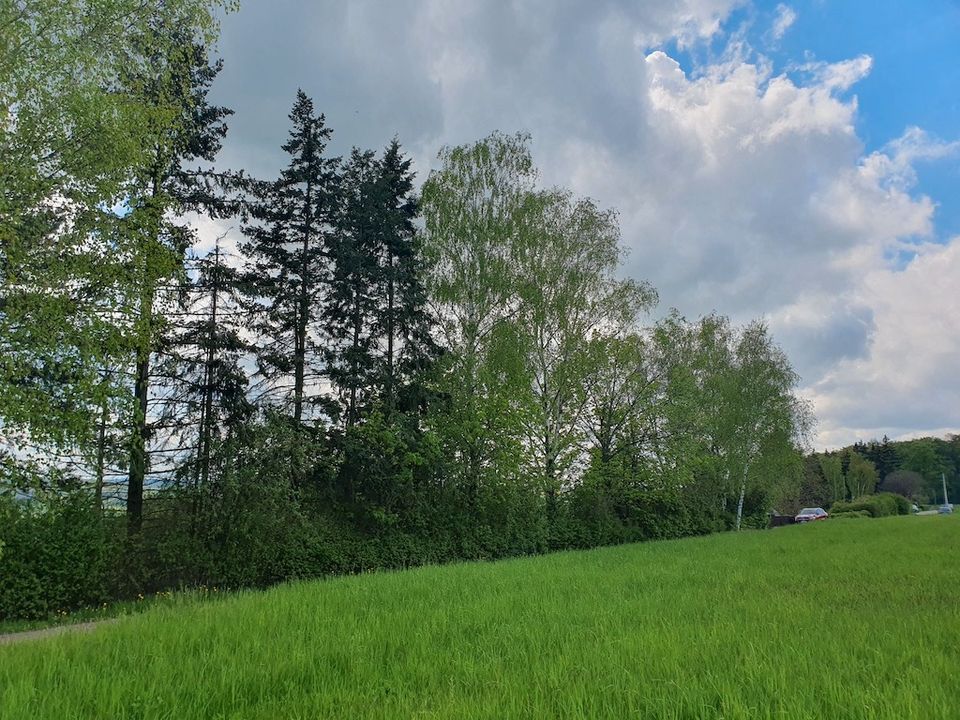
point(878, 505)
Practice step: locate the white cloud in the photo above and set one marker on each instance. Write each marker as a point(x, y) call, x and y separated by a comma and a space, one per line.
point(838, 76)
point(916, 144)
point(907, 384)
point(786, 16)
point(740, 188)
point(752, 196)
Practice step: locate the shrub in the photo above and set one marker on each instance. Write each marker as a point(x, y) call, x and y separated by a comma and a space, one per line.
point(904, 506)
point(59, 554)
point(877, 505)
point(847, 514)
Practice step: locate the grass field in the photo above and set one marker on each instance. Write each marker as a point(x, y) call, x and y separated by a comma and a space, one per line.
point(841, 619)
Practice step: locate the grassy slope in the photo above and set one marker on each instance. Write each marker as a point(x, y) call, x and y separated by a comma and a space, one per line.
point(842, 619)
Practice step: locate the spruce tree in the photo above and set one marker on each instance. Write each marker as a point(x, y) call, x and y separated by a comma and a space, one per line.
point(201, 363)
point(375, 313)
point(350, 307)
point(288, 245)
point(402, 319)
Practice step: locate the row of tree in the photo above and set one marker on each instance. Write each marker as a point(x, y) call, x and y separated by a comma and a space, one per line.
point(368, 376)
point(917, 469)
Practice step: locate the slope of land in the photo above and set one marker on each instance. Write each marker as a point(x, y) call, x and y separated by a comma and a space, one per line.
point(841, 619)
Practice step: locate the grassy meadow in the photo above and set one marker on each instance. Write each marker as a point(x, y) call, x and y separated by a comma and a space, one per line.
point(840, 619)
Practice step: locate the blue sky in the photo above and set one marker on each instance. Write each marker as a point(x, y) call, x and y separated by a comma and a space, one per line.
point(915, 79)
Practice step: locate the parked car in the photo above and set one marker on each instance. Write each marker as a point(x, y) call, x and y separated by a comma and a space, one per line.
point(945, 509)
point(810, 514)
point(915, 508)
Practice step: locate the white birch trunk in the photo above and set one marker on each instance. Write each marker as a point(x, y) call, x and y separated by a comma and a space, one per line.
point(743, 492)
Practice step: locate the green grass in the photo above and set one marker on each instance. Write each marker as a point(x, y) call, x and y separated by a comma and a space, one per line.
point(854, 619)
point(113, 609)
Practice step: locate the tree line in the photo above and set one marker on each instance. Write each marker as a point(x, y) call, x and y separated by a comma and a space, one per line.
point(361, 373)
point(916, 469)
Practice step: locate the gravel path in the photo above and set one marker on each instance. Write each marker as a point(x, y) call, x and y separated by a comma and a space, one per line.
point(26, 635)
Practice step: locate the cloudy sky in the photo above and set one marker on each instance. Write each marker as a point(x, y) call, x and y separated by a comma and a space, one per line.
point(794, 161)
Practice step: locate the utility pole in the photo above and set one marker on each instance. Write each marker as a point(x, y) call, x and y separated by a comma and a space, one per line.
point(943, 479)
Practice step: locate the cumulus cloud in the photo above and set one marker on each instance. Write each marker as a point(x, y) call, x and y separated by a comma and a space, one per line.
point(741, 188)
point(907, 384)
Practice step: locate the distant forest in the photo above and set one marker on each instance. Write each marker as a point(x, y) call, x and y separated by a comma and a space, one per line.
point(916, 469)
point(359, 372)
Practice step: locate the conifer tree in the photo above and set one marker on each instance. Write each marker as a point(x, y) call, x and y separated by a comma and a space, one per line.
point(288, 245)
point(375, 314)
point(403, 320)
point(202, 367)
point(355, 273)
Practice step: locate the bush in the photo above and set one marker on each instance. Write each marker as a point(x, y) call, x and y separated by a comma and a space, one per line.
point(904, 506)
point(877, 505)
point(847, 514)
point(59, 555)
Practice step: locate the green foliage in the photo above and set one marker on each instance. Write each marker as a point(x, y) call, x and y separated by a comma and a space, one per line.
point(849, 514)
point(527, 411)
point(831, 467)
point(908, 483)
point(877, 505)
point(883, 454)
point(861, 475)
point(915, 468)
point(287, 245)
point(59, 555)
point(74, 137)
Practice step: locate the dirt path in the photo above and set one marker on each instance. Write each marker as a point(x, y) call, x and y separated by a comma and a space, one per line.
point(10, 638)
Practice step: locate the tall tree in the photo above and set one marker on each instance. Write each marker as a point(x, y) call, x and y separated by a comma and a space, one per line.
point(154, 242)
point(289, 246)
point(568, 296)
point(402, 321)
point(906, 483)
point(761, 416)
point(832, 468)
point(71, 137)
point(200, 364)
point(882, 454)
point(472, 206)
point(732, 415)
point(349, 308)
point(623, 391)
point(861, 476)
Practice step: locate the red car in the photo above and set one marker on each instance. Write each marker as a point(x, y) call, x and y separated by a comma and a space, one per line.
point(810, 514)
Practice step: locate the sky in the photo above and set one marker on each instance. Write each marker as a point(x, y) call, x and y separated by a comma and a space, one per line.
point(797, 162)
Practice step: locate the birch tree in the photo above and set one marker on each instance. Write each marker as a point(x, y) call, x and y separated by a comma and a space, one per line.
point(570, 301)
point(760, 415)
point(472, 207)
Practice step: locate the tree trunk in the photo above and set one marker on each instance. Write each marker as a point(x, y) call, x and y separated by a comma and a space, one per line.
point(206, 422)
point(138, 450)
point(101, 453)
point(300, 341)
point(354, 357)
point(550, 473)
point(206, 408)
point(390, 332)
point(300, 345)
point(743, 492)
